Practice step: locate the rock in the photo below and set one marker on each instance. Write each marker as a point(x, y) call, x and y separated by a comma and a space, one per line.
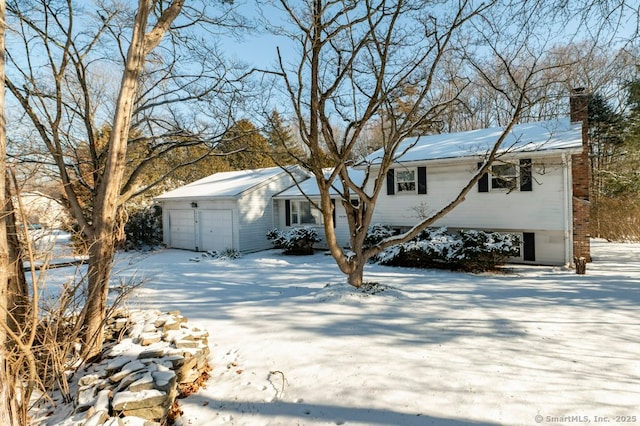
point(85, 398)
point(97, 419)
point(138, 382)
point(145, 382)
point(146, 339)
point(102, 401)
point(89, 380)
point(128, 400)
point(130, 367)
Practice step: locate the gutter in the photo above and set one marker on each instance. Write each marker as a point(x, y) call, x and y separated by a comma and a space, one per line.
point(568, 208)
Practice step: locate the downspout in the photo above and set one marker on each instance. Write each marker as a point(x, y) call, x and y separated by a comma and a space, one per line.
point(568, 209)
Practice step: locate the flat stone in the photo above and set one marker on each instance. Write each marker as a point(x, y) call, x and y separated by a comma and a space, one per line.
point(151, 413)
point(89, 380)
point(147, 339)
point(145, 382)
point(181, 344)
point(152, 353)
point(101, 402)
point(85, 398)
point(130, 367)
point(97, 419)
point(164, 380)
point(127, 400)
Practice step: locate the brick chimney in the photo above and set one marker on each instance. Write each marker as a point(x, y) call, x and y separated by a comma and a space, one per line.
point(578, 105)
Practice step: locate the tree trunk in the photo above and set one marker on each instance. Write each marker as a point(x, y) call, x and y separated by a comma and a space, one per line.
point(18, 291)
point(101, 253)
point(8, 404)
point(355, 276)
point(105, 208)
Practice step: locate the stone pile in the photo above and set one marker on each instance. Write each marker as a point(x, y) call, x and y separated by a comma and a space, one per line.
point(150, 354)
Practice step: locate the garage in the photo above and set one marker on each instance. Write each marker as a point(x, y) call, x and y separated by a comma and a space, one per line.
point(182, 229)
point(216, 230)
point(227, 210)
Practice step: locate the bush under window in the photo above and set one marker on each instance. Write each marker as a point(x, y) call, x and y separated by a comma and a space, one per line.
point(295, 241)
point(471, 250)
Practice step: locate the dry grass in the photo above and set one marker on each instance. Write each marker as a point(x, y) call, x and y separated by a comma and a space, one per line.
point(616, 219)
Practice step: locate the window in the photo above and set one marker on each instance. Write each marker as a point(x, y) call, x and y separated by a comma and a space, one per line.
point(303, 213)
point(406, 180)
point(504, 176)
point(507, 177)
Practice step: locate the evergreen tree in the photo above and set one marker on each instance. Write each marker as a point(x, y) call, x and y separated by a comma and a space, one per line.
point(245, 148)
point(285, 149)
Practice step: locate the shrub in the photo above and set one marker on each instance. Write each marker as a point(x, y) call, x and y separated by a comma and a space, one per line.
point(144, 228)
point(295, 241)
point(228, 253)
point(377, 233)
point(464, 251)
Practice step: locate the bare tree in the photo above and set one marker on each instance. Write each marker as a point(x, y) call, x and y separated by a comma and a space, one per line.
point(356, 62)
point(175, 94)
point(8, 407)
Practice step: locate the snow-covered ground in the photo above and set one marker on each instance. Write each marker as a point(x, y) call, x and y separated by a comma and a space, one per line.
point(292, 344)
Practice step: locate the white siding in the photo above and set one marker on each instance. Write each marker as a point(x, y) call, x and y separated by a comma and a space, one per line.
point(341, 229)
point(257, 214)
point(539, 209)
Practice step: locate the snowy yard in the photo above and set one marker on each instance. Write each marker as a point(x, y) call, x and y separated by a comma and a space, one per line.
point(292, 344)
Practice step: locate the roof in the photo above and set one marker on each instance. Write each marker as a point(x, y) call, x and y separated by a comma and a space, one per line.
point(225, 184)
point(539, 136)
point(310, 187)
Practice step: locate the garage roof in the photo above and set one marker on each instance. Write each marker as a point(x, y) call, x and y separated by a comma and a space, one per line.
point(226, 184)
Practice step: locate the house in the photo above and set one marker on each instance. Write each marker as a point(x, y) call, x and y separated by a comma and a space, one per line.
point(537, 187)
point(228, 210)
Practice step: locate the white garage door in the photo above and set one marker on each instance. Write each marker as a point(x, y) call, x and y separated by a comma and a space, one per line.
point(216, 229)
point(183, 229)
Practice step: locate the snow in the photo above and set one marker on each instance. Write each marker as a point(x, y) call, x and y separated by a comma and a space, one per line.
point(291, 343)
point(310, 188)
point(224, 184)
point(539, 136)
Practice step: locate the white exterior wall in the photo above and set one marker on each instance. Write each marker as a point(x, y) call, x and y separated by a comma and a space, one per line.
point(541, 211)
point(257, 216)
point(341, 229)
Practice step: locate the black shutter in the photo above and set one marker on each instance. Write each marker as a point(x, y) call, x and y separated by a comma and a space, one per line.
point(529, 245)
point(333, 202)
point(483, 183)
point(287, 212)
point(526, 183)
point(391, 182)
point(422, 180)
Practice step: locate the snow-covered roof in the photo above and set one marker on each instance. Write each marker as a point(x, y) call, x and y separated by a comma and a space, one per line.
point(539, 136)
point(310, 187)
point(224, 184)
